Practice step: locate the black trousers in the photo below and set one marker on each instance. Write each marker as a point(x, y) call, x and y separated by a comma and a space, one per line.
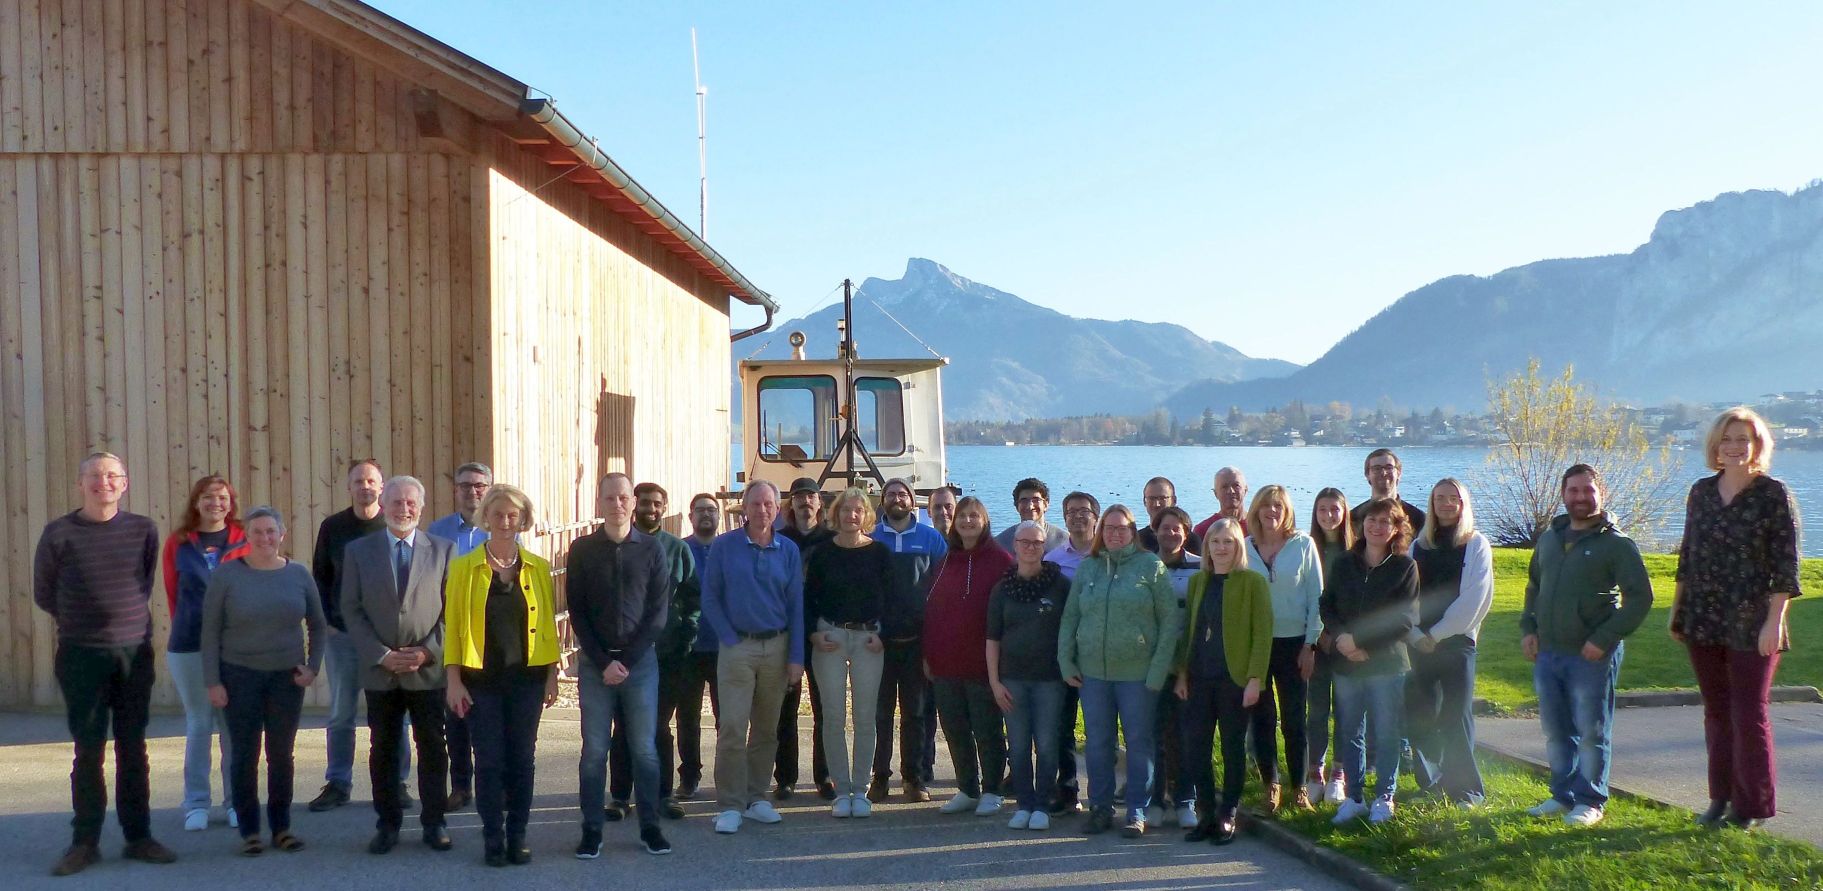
point(904, 690)
point(976, 732)
point(1170, 785)
point(1215, 705)
point(785, 770)
point(503, 722)
point(1440, 719)
point(386, 711)
point(680, 755)
point(263, 707)
point(107, 687)
point(461, 751)
point(1066, 744)
point(1281, 708)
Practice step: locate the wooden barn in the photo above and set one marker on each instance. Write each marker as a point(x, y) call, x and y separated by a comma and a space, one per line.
point(268, 237)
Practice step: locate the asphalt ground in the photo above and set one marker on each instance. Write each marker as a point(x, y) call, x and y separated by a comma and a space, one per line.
point(1659, 753)
point(902, 846)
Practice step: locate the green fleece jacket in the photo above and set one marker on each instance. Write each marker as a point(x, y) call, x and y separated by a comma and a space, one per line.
point(1121, 621)
point(1584, 587)
point(1246, 624)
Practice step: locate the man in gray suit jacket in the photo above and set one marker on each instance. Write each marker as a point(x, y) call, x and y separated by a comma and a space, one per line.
point(392, 601)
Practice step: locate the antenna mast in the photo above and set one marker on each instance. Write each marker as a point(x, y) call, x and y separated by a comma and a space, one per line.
point(702, 140)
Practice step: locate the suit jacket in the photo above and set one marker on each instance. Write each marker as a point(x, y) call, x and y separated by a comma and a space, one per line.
point(382, 618)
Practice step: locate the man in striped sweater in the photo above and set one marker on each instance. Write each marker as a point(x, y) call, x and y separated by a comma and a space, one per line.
point(93, 573)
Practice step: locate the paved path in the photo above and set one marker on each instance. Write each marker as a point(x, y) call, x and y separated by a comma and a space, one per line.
point(1659, 752)
point(902, 846)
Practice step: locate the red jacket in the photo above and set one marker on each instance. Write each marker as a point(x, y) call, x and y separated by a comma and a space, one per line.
point(955, 616)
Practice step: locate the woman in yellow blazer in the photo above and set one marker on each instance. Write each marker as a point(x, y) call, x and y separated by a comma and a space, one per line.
point(1221, 657)
point(501, 653)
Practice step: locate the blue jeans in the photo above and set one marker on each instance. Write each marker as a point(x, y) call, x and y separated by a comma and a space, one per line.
point(343, 666)
point(202, 721)
point(1378, 700)
point(1576, 708)
point(1129, 701)
point(1037, 707)
point(633, 703)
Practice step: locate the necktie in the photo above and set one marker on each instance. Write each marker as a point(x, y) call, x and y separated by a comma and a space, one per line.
point(402, 565)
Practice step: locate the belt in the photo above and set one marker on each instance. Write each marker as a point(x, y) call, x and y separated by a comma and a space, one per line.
point(869, 627)
point(759, 635)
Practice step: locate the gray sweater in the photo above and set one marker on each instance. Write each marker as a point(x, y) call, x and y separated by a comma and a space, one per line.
point(256, 618)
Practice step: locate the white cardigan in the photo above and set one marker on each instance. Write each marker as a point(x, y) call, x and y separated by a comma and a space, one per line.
point(1475, 597)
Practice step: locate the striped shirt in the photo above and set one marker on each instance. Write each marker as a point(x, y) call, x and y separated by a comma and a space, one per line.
point(95, 579)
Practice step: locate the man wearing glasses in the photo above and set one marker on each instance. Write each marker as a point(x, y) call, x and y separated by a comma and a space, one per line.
point(1032, 498)
point(463, 530)
point(1159, 494)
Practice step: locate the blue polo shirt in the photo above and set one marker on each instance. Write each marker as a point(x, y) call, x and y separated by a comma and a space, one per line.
point(749, 588)
point(464, 535)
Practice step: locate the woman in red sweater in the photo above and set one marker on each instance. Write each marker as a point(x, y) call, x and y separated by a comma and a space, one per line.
point(955, 659)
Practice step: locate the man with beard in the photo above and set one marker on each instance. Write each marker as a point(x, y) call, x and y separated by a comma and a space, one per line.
point(1383, 472)
point(705, 524)
point(917, 549)
point(805, 528)
point(1159, 494)
point(1573, 626)
point(1081, 512)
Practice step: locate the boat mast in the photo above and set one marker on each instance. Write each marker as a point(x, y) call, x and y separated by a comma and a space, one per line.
point(850, 445)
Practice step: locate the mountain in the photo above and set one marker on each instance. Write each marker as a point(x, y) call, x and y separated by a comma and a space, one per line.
point(1011, 359)
point(1723, 302)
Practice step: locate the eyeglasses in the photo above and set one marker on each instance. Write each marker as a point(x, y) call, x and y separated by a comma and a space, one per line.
point(477, 487)
point(1029, 542)
point(104, 477)
point(1080, 512)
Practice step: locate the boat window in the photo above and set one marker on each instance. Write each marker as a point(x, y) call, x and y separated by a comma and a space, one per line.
point(796, 422)
point(880, 408)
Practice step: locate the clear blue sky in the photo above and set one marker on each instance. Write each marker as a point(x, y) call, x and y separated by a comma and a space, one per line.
point(1269, 175)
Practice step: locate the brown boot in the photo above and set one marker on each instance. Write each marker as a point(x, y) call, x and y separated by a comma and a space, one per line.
point(79, 857)
point(915, 791)
point(1302, 802)
point(148, 850)
point(1272, 798)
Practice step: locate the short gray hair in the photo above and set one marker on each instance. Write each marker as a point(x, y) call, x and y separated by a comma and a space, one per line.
point(403, 480)
point(1026, 524)
point(756, 485)
point(475, 467)
point(263, 511)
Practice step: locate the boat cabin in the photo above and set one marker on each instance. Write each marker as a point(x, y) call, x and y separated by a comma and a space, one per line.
point(794, 417)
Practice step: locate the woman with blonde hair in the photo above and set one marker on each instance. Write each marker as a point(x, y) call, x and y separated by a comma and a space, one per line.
point(846, 585)
point(1221, 671)
point(1455, 590)
point(1116, 643)
point(1292, 565)
point(1736, 572)
point(501, 657)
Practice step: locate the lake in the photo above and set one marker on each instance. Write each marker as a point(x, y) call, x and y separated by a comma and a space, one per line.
point(1116, 474)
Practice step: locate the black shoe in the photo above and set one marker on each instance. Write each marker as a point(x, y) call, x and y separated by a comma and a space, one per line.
point(1064, 804)
point(826, 790)
point(148, 850)
point(79, 857)
point(1100, 820)
point(436, 838)
point(671, 809)
point(1736, 821)
point(654, 840)
point(494, 854)
point(517, 852)
point(687, 791)
point(383, 841)
point(1717, 810)
point(783, 791)
point(332, 797)
point(458, 799)
point(590, 846)
point(616, 811)
point(1203, 830)
point(406, 802)
point(1223, 833)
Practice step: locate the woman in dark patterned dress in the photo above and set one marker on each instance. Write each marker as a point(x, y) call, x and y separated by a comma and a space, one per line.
point(1736, 571)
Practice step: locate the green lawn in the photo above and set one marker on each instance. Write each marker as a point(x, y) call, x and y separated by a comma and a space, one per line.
point(1653, 660)
point(1498, 847)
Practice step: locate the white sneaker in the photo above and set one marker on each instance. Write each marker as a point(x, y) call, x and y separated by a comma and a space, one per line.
point(1021, 820)
point(1336, 792)
point(861, 808)
point(1314, 791)
point(728, 822)
point(1040, 820)
point(1381, 811)
point(1155, 815)
point(961, 803)
point(843, 808)
point(197, 819)
point(1186, 816)
point(989, 806)
point(1583, 815)
point(1549, 807)
point(761, 812)
point(1349, 811)
point(234, 820)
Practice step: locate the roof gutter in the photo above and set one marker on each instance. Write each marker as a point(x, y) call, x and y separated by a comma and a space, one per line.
point(544, 113)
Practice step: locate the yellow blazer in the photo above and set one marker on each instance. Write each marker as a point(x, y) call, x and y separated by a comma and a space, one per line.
point(465, 609)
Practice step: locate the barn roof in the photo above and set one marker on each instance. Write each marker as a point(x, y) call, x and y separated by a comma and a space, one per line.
point(497, 100)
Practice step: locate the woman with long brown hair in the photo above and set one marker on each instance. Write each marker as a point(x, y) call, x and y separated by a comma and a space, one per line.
point(1333, 536)
point(955, 659)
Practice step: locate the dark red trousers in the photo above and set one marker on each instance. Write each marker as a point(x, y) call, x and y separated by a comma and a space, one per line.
point(1736, 685)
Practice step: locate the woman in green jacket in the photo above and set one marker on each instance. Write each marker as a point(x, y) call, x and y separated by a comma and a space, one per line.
point(1116, 643)
point(1227, 647)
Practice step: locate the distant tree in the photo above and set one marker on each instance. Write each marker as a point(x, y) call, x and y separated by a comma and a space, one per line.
point(1341, 411)
point(1209, 432)
point(1543, 427)
point(1235, 418)
point(1297, 417)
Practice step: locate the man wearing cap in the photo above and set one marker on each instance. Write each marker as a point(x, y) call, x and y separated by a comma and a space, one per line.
point(916, 549)
point(804, 526)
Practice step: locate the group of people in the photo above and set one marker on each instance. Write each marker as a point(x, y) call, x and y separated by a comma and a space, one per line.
point(1181, 638)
